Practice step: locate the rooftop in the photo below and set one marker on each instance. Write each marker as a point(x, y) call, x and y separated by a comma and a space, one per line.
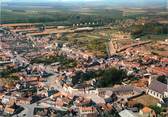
point(127, 113)
point(146, 110)
point(158, 86)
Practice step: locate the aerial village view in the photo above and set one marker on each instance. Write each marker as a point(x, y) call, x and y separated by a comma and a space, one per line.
point(84, 58)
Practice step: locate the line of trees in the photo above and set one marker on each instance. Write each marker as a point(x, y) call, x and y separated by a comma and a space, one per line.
point(148, 29)
point(64, 62)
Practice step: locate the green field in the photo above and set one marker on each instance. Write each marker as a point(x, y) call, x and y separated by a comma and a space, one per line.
point(59, 16)
point(154, 37)
point(64, 62)
point(91, 41)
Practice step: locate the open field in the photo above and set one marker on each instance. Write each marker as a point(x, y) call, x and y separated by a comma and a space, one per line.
point(154, 37)
point(146, 100)
point(94, 41)
point(58, 15)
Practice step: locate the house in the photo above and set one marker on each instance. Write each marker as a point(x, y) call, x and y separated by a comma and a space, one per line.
point(5, 99)
point(23, 101)
point(127, 113)
point(61, 94)
point(1, 107)
point(2, 95)
point(9, 110)
point(62, 101)
point(157, 89)
point(159, 70)
point(87, 112)
point(164, 61)
point(147, 112)
point(81, 101)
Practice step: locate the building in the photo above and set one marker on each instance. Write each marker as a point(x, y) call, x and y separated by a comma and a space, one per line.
point(157, 89)
point(1, 107)
point(120, 90)
point(87, 112)
point(147, 112)
point(9, 110)
point(127, 113)
point(159, 71)
point(23, 101)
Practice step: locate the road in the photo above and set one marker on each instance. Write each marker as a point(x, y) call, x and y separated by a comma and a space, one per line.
point(52, 82)
point(21, 59)
point(28, 110)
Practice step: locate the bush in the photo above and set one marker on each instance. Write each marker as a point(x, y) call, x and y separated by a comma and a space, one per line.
point(157, 109)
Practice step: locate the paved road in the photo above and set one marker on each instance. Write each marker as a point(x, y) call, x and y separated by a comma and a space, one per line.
point(21, 59)
point(28, 110)
point(53, 82)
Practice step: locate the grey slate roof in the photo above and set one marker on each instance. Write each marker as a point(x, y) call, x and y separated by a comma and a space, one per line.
point(158, 87)
point(127, 113)
point(122, 88)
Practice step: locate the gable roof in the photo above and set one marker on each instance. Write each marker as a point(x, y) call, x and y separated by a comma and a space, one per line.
point(146, 110)
point(127, 113)
point(158, 86)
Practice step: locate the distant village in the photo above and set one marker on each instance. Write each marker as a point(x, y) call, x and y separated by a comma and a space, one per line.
point(33, 84)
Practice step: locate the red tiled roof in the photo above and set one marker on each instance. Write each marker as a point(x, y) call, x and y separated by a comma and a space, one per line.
point(159, 70)
point(164, 60)
point(146, 110)
point(87, 108)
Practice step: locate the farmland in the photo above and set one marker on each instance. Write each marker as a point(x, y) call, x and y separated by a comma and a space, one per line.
point(60, 16)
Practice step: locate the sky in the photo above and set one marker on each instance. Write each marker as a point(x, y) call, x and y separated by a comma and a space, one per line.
point(145, 3)
point(83, 0)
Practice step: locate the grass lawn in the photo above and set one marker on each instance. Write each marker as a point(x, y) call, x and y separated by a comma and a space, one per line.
point(94, 41)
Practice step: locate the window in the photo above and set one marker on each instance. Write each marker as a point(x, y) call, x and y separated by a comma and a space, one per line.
point(153, 93)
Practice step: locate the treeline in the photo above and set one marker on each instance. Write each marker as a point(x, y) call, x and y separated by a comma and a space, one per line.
point(59, 20)
point(63, 61)
point(148, 29)
point(104, 78)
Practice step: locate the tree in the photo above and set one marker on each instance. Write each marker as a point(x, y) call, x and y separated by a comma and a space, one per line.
point(162, 79)
point(104, 78)
point(111, 77)
point(156, 108)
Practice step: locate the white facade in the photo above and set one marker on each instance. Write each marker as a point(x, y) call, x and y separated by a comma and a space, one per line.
point(155, 94)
